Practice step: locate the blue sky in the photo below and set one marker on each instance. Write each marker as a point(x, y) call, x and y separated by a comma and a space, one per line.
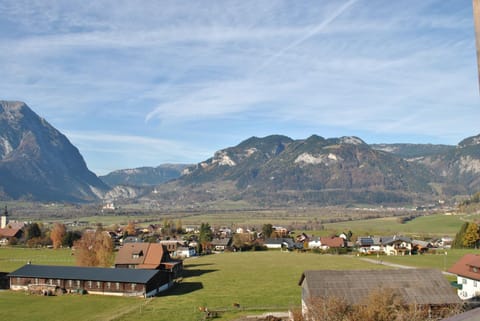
point(141, 83)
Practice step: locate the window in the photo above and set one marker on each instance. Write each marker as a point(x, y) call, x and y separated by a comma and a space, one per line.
point(90, 284)
point(133, 285)
point(109, 285)
point(70, 283)
point(50, 281)
point(464, 281)
point(98, 285)
point(58, 282)
point(117, 285)
point(78, 283)
point(475, 269)
point(475, 284)
point(36, 280)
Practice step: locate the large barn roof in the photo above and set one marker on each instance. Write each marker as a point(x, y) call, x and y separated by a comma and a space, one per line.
point(84, 273)
point(415, 286)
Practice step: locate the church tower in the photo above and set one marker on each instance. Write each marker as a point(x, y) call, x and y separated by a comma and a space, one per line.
point(4, 218)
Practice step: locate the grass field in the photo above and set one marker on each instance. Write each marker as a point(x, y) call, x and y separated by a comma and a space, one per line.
point(432, 225)
point(258, 281)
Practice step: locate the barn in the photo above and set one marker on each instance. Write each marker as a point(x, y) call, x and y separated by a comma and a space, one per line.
point(104, 281)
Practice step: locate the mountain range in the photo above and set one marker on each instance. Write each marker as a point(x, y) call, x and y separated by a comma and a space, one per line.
point(37, 162)
point(279, 171)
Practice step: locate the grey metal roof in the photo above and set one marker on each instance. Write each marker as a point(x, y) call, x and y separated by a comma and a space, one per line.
point(420, 286)
point(85, 273)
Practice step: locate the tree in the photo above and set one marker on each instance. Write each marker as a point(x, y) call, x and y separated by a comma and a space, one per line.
point(130, 229)
point(471, 236)
point(458, 241)
point(94, 249)
point(70, 238)
point(57, 234)
point(179, 227)
point(206, 236)
point(33, 230)
point(267, 230)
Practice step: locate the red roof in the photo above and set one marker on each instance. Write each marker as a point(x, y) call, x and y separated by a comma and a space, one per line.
point(9, 232)
point(334, 241)
point(468, 266)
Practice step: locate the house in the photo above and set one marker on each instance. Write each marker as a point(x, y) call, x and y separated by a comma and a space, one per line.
point(153, 256)
point(172, 246)
point(422, 287)
point(397, 245)
point(104, 281)
point(369, 245)
point(185, 251)
point(420, 247)
point(7, 234)
point(221, 244)
point(283, 243)
point(467, 270)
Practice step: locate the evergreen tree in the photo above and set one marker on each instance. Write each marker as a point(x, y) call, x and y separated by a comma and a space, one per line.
point(458, 241)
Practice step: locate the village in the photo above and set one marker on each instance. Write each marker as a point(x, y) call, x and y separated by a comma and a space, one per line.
point(147, 261)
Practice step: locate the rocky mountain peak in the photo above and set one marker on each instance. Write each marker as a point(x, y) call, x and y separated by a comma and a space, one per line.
point(39, 161)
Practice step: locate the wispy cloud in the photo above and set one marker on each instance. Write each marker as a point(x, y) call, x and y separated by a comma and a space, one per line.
point(175, 81)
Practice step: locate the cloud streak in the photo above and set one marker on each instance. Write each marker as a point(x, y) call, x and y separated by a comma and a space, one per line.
point(177, 81)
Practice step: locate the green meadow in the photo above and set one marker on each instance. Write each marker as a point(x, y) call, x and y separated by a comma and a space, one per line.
point(431, 225)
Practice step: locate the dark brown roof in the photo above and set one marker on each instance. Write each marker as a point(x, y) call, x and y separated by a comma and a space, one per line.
point(415, 286)
point(466, 267)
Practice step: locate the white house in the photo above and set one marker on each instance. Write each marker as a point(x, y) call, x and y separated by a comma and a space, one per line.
point(397, 245)
point(467, 270)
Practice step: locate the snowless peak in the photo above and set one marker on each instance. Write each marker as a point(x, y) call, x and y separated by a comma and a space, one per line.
point(310, 159)
point(221, 158)
point(352, 140)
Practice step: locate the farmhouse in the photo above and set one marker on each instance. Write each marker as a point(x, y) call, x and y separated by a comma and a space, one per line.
point(147, 256)
point(326, 243)
point(397, 245)
point(7, 234)
point(422, 287)
point(104, 281)
point(467, 270)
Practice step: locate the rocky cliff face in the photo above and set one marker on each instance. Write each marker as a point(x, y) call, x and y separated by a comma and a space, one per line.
point(37, 162)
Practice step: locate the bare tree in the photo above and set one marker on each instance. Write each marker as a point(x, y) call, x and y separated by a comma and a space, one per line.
point(94, 249)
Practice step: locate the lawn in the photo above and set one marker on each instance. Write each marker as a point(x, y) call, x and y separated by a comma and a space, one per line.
point(12, 258)
point(257, 281)
point(437, 261)
point(431, 225)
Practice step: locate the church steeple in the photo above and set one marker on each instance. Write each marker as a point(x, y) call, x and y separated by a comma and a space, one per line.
point(4, 218)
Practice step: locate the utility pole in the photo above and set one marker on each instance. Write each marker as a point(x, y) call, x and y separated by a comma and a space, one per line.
point(476, 18)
